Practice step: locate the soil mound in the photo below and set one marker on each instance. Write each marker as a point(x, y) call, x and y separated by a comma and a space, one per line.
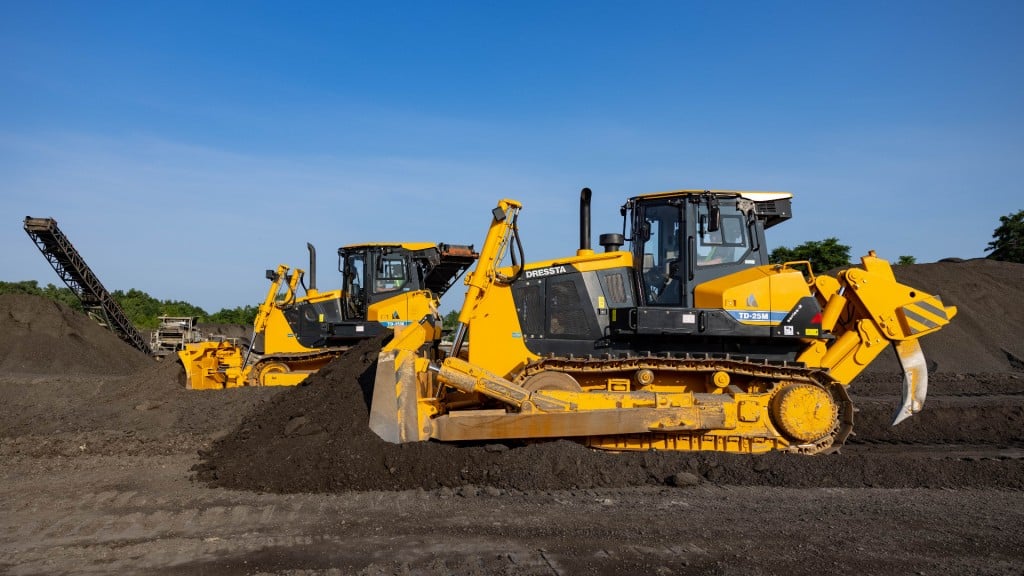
point(42, 336)
point(315, 438)
point(149, 405)
point(61, 373)
point(986, 334)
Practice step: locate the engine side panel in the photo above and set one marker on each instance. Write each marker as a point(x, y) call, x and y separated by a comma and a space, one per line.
point(568, 311)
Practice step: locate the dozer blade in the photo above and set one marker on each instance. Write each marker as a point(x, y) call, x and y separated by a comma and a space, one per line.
point(393, 410)
point(915, 379)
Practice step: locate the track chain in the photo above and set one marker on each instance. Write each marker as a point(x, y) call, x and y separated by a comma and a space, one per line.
point(294, 361)
point(774, 372)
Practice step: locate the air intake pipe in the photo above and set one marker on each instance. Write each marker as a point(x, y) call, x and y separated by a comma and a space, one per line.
point(585, 222)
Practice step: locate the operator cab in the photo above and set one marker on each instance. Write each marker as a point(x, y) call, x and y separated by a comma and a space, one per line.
point(682, 239)
point(372, 273)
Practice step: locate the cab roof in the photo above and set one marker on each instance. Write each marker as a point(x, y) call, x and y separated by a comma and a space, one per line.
point(750, 195)
point(770, 207)
point(411, 246)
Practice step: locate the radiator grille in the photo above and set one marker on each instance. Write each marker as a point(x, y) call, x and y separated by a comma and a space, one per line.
point(565, 310)
point(615, 289)
point(531, 314)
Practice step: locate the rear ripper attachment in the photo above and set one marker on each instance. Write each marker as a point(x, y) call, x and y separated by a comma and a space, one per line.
point(688, 340)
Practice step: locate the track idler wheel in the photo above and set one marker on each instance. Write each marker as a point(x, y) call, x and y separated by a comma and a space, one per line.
point(804, 412)
point(552, 381)
point(271, 368)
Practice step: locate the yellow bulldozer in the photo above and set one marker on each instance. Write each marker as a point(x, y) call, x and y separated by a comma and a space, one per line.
point(689, 339)
point(384, 285)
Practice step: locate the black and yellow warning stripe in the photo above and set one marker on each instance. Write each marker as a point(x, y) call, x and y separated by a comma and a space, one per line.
point(924, 315)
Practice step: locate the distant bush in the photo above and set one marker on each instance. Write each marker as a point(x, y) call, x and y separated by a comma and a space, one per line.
point(824, 255)
point(238, 315)
point(905, 260)
point(32, 288)
point(1008, 243)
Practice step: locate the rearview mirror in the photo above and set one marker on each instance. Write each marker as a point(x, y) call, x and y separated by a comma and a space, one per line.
point(714, 215)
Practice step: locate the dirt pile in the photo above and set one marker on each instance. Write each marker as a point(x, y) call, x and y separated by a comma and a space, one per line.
point(42, 336)
point(84, 383)
point(314, 438)
point(63, 374)
point(149, 405)
point(987, 335)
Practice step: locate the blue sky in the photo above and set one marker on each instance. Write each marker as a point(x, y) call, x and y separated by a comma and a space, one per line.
point(185, 147)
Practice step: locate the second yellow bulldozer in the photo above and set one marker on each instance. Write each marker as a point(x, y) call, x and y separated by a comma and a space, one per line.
point(384, 285)
point(689, 339)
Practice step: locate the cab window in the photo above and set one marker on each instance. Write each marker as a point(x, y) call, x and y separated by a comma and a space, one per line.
point(354, 300)
point(352, 273)
point(392, 274)
point(727, 245)
point(659, 266)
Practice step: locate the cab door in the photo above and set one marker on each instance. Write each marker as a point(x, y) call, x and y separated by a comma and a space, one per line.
point(720, 252)
point(658, 255)
point(392, 284)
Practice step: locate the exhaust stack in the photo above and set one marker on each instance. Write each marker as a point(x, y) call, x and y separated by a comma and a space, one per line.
point(312, 266)
point(584, 222)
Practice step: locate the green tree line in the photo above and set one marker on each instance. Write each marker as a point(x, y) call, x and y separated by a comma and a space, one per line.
point(139, 307)
point(824, 255)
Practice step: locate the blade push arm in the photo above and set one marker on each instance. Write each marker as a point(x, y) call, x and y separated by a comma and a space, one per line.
point(485, 273)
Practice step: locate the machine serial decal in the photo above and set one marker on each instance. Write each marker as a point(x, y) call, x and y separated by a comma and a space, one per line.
point(757, 315)
point(393, 323)
point(546, 272)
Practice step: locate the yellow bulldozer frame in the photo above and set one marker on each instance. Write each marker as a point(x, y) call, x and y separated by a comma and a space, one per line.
point(754, 357)
point(385, 285)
